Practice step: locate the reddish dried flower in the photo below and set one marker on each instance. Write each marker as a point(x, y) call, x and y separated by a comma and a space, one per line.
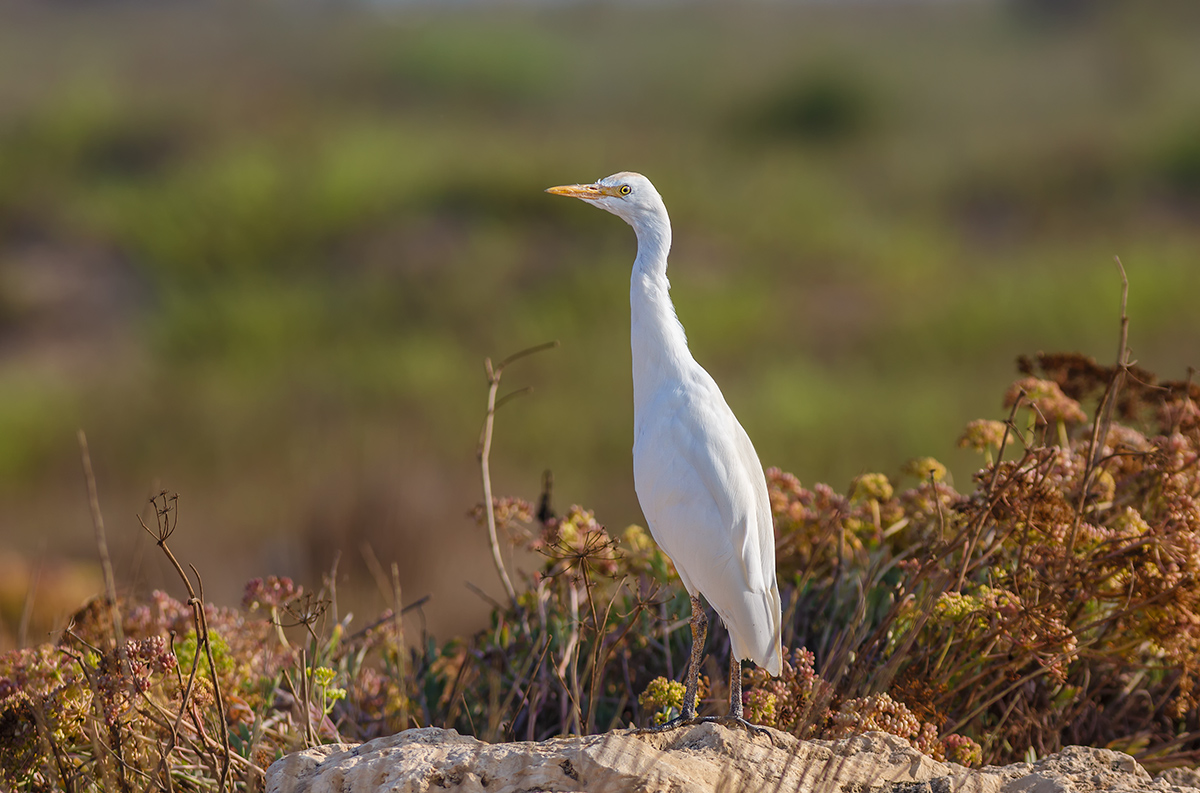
point(796, 700)
point(274, 592)
point(1048, 400)
point(1122, 438)
point(876, 712)
point(962, 750)
point(577, 541)
point(1180, 412)
point(151, 653)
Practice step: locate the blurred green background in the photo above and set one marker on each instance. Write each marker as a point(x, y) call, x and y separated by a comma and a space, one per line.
point(260, 251)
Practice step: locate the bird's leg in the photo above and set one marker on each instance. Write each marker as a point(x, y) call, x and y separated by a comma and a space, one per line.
point(735, 688)
point(699, 634)
point(735, 718)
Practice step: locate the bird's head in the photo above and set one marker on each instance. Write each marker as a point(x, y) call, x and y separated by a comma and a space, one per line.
point(630, 196)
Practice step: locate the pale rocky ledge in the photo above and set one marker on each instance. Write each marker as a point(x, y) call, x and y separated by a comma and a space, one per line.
point(706, 757)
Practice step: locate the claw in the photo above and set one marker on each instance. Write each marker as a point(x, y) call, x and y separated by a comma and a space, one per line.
point(673, 724)
point(725, 721)
point(738, 721)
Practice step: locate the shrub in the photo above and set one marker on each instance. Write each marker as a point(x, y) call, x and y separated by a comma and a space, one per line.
point(1063, 590)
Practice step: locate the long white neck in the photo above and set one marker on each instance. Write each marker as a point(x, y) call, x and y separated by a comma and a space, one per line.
point(660, 350)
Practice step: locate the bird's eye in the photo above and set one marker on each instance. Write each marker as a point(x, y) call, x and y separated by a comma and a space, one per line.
point(624, 189)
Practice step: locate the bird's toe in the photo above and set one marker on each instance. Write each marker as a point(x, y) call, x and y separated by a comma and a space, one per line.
point(738, 721)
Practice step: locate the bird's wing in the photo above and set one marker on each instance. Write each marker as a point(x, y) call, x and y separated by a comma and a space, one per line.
point(758, 546)
point(704, 494)
point(726, 462)
point(758, 549)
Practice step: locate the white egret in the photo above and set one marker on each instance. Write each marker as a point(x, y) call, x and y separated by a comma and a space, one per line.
point(697, 476)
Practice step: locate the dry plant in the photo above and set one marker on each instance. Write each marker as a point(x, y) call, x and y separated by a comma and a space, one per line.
point(193, 696)
point(494, 373)
point(1057, 602)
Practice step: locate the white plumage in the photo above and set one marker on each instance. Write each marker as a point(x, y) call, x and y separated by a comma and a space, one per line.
point(697, 476)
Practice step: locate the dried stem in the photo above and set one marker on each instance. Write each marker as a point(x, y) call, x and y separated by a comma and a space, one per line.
point(974, 533)
point(1103, 420)
point(167, 517)
point(485, 450)
point(110, 584)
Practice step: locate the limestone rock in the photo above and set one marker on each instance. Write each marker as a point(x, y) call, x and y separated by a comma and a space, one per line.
point(1181, 779)
point(705, 757)
point(1076, 769)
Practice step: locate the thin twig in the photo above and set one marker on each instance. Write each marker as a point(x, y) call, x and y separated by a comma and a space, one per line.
point(167, 519)
point(484, 453)
point(331, 584)
point(1103, 421)
point(1187, 398)
point(212, 669)
point(528, 688)
point(110, 597)
point(973, 532)
point(30, 598)
point(387, 616)
point(110, 584)
point(398, 635)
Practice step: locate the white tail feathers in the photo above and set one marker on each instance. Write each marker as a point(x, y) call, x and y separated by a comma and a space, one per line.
point(753, 621)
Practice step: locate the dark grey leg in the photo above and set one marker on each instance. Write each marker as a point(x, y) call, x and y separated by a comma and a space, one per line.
point(699, 634)
point(699, 623)
point(735, 716)
point(735, 688)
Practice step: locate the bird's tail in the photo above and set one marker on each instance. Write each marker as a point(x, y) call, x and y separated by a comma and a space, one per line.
point(755, 629)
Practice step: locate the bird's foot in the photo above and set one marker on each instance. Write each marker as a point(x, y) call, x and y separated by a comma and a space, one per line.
point(666, 726)
point(738, 721)
point(689, 721)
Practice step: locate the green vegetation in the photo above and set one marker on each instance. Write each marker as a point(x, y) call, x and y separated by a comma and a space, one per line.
point(303, 232)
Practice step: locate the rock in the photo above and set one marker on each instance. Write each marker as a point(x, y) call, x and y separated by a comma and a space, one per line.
point(1179, 779)
point(1076, 769)
point(704, 757)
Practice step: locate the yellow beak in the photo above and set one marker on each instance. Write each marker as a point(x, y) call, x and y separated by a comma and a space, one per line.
point(588, 192)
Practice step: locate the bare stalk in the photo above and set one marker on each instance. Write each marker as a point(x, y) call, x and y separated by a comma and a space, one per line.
point(110, 597)
point(398, 635)
point(110, 584)
point(166, 523)
point(974, 532)
point(1187, 398)
point(30, 597)
point(1103, 420)
point(485, 450)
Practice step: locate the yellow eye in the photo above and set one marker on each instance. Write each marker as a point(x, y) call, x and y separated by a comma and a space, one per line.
point(624, 189)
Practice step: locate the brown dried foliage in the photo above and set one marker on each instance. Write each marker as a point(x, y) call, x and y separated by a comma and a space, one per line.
point(1058, 603)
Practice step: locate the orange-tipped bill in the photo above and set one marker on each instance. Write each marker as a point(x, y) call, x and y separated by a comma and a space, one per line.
point(589, 192)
